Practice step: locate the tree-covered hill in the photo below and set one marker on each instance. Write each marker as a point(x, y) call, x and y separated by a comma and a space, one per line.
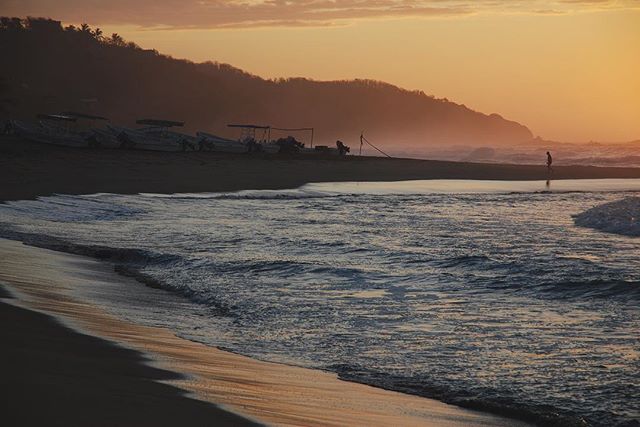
point(49, 68)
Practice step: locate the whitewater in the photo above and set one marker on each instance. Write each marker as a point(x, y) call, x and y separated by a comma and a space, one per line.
point(620, 217)
point(487, 294)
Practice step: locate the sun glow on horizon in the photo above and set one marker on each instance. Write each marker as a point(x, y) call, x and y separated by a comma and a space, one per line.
point(566, 77)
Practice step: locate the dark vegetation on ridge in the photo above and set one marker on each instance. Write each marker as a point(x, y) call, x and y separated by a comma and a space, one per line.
point(50, 68)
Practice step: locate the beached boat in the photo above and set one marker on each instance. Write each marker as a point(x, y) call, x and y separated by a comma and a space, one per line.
point(155, 137)
point(105, 138)
point(267, 147)
point(52, 129)
point(97, 137)
point(209, 142)
point(136, 139)
point(320, 149)
point(257, 143)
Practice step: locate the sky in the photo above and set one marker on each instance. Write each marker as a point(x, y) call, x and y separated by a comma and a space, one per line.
point(567, 69)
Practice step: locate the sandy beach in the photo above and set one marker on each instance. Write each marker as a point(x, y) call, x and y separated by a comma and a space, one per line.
point(29, 170)
point(53, 360)
point(53, 375)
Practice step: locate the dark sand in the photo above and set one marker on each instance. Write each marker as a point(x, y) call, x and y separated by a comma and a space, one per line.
point(28, 170)
point(52, 375)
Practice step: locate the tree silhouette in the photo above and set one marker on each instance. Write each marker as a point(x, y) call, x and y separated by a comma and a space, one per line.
point(116, 40)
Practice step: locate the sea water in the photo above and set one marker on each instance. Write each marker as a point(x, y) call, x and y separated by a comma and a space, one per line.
point(480, 293)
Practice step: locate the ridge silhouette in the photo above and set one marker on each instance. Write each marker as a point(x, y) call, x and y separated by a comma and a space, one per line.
point(48, 68)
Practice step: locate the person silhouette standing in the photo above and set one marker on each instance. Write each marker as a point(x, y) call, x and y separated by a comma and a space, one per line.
point(549, 162)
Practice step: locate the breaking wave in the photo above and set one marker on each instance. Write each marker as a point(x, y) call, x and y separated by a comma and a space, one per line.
point(104, 253)
point(67, 208)
point(619, 217)
point(294, 194)
point(503, 402)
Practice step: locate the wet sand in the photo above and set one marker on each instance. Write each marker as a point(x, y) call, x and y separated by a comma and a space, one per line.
point(29, 170)
point(69, 375)
point(52, 375)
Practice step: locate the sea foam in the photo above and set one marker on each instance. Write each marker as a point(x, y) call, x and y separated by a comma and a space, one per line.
point(619, 217)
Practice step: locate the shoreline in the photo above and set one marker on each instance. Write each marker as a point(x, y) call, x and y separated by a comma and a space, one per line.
point(29, 170)
point(77, 379)
point(264, 391)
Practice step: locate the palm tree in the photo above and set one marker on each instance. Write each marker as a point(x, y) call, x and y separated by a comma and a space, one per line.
point(116, 40)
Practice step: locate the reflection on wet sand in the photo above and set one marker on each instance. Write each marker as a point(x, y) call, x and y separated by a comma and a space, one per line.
point(273, 393)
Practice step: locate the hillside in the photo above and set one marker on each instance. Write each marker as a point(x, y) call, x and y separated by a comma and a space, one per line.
point(48, 68)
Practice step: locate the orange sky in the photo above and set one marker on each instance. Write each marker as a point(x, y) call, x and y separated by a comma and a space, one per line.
point(568, 69)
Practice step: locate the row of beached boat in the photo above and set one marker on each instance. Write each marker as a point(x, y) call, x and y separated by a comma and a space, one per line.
point(154, 135)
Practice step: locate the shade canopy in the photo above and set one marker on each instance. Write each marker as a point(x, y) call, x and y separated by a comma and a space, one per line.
point(83, 115)
point(57, 117)
point(160, 123)
point(249, 126)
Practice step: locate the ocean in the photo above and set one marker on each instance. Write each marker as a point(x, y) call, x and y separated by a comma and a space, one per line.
point(484, 294)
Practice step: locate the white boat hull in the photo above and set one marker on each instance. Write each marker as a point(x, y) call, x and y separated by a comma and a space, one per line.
point(208, 142)
point(153, 140)
point(48, 134)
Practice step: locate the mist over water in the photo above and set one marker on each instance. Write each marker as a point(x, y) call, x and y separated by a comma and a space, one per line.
point(532, 153)
point(484, 294)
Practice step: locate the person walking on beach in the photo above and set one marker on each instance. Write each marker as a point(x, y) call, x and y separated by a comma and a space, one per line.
point(549, 161)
